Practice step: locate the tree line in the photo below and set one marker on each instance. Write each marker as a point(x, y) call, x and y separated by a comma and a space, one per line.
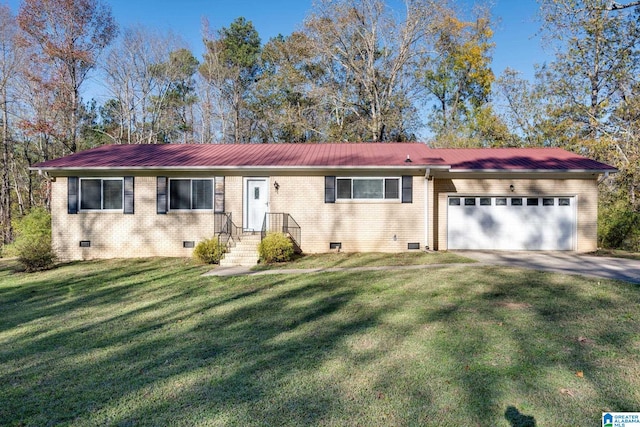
point(356, 70)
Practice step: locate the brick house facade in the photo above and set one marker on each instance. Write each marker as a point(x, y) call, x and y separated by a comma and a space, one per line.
point(132, 201)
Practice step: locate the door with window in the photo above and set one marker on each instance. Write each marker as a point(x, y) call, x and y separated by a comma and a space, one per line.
point(256, 203)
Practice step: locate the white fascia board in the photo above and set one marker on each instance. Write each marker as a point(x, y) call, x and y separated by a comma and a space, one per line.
point(227, 168)
point(508, 171)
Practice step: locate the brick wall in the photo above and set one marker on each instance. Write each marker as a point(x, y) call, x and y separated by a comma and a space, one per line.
point(115, 235)
point(385, 226)
point(380, 226)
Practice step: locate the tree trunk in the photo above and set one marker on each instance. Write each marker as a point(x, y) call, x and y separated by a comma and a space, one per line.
point(236, 114)
point(5, 204)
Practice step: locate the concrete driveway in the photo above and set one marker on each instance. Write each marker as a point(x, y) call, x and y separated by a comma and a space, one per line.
point(563, 262)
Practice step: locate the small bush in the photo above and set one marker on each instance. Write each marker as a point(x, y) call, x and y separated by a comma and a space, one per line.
point(33, 241)
point(209, 251)
point(275, 247)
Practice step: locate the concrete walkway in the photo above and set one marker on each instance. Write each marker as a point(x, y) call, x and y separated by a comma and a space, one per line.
point(562, 262)
point(559, 262)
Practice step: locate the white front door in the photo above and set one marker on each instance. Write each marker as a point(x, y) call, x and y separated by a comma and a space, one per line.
point(256, 198)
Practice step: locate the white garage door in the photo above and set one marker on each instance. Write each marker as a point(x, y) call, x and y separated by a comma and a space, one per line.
point(512, 223)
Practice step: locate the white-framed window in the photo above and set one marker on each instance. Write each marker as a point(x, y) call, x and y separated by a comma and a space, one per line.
point(368, 188)
point(191, 193)
point(101, 194)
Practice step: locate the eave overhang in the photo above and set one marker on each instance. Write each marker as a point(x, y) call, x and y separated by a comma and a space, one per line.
point(243, 168)
point(510, 171)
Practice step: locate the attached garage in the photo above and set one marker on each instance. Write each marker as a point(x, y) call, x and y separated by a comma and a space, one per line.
point(382, 197)
point(543, 199)
point(512, 223)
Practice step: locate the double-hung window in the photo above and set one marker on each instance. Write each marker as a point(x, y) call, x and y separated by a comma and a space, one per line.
point(101, 194)
point(191, 194)
point(368, 188)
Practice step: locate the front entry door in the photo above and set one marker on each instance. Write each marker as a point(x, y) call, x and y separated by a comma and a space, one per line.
point(256, 202)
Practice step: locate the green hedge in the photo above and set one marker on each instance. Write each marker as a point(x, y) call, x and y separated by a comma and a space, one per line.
point(209, 251)
point(33, 241)
point(275, 247)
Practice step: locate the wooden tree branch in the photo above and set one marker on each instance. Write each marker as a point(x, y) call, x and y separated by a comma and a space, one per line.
point(619, 6)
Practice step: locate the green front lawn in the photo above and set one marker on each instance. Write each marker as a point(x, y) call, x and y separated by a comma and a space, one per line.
point(152, 342)
point(368, 259)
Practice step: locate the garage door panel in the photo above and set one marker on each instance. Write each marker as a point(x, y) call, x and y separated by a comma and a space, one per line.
point(535, 225)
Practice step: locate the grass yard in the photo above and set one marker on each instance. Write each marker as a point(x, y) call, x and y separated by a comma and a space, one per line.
point(368, 259)
point(151, 342)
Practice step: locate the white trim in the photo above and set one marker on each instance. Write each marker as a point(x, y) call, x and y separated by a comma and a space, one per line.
point(426, 212)
point(245, 198)
point(413, 167)
point(323, 168)
point(509, 171)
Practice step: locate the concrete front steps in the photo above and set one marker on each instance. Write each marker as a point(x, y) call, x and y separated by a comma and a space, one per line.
point(244, 253)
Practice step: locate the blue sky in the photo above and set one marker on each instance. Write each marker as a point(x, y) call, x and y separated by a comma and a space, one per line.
point(516, 43)
point(515, 33)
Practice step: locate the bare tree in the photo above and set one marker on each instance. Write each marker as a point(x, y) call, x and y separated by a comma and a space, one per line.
point(11, 62)
point(68, 35)
point(138, 90)
point(372, 53)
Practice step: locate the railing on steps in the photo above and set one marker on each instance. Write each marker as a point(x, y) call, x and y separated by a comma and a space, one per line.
point(226, 229)
point(282, 223)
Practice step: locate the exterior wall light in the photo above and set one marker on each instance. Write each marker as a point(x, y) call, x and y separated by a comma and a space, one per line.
point(512, 188)
point(276, 186)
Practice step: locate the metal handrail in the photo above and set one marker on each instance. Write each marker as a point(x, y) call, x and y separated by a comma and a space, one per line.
point(283, 223)
point(228, 230)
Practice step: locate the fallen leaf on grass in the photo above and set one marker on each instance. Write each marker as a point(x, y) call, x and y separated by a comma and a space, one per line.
point(580, 374)
point(567, 392)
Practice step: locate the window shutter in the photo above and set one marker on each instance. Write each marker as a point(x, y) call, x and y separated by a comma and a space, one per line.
point(329, 189)
point(407, 189)
point(162, 191)
point(218, 195)
point(128, 194)
point(72, 194)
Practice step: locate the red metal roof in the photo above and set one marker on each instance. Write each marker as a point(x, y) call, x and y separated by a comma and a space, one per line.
point(247, 155)
point(356, 155)
point(514, 159)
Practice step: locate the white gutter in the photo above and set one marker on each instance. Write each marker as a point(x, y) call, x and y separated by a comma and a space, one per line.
point(604, 177)
point(427, 178)
point(226, 168)
point(533, 170)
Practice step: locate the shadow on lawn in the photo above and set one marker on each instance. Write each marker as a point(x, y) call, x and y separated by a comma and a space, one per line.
point(181, 350)
point(517, 419)
point(495, 315)
point(133, 346)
